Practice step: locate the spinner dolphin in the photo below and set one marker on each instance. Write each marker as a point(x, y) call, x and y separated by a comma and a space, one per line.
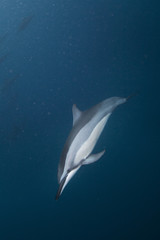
point(87, 128)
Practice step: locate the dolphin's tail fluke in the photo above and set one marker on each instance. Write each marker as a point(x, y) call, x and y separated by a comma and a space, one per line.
point(132, 95)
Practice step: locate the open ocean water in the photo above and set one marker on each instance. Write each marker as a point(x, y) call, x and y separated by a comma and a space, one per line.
point(55, 53)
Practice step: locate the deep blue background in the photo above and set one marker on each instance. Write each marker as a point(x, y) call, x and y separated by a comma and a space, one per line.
point(79, 52)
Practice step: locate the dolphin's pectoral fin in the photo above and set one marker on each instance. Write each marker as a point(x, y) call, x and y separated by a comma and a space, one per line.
point(76, 113)
point(93, 158)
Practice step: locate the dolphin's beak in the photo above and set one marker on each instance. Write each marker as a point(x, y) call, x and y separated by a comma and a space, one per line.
point(60, 188)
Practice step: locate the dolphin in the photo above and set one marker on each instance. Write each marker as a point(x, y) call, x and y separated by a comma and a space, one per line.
point(24, 23)
point(87, 128)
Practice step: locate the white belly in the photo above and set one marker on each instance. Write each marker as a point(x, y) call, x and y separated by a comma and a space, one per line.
point(90, 143)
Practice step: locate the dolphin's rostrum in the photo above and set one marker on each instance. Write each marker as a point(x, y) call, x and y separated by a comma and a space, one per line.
point(87, 128)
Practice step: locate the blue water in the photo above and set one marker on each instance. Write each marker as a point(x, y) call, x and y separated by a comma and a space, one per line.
point(79, 52)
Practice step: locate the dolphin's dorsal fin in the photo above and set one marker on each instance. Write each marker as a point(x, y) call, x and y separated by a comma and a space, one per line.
point(76, 113)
